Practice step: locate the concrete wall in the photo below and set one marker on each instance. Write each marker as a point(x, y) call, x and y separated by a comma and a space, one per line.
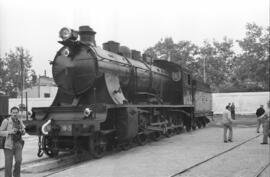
point(39, 91)
point(32, 102)
point(245, 102)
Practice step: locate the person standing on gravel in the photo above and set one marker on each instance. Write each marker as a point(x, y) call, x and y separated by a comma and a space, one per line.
point(259, 113)
point(227, 124)
point(13, 129)
point(265, 121)
point(233, 111)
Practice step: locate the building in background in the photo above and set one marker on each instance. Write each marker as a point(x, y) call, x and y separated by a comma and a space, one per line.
point(44, 87)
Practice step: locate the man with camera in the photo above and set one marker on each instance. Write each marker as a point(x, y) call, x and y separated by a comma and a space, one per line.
point(13, 128)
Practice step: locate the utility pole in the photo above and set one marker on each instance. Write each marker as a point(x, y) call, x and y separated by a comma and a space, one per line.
point(204, 74)
point(22, 80)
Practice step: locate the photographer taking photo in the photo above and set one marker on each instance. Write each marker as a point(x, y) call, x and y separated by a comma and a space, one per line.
point(13, 129)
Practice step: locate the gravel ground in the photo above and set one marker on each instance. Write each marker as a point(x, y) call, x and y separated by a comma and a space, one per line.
point(266, 172)
point(169, 156)
point(172, 155)
point(29, 150)
point(244, 161)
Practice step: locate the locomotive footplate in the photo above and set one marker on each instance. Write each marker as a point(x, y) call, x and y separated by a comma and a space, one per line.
point(150, 106)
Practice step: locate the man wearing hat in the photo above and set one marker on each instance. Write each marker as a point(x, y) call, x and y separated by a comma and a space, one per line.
point(259, 113)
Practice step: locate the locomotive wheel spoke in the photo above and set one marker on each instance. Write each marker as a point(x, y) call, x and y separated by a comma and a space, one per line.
point(126, 146)
point(141, 139)
point(98, 145)
point(203, 123)
point(179, 130)
point(169, 133)
point(48, 148)
point(156, 136)
point(199, 124)
point(176, 130)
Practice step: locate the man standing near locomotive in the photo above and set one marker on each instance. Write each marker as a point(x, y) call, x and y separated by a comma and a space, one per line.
point(13, 129)
point(265, 121)
point(233, 111)
point(227, 124)
point(259, 113)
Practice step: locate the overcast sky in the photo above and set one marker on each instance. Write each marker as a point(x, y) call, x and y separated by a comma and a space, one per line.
point(138, 24)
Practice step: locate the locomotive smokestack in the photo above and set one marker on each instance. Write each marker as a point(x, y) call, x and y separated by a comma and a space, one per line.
point(111, 46)
point(135, 54)
point(87, 35)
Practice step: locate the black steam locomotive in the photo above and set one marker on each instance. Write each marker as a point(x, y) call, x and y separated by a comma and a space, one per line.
point(113, 97)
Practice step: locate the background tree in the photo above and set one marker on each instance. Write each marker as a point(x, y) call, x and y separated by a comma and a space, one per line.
point(3, 74)
point(219, 57)
point(252, 65)
point(226, 71)
point(12, 77)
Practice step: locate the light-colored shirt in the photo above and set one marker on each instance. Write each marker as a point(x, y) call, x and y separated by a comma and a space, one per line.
point(265, 117)
point(226, 117)
point(6, 127)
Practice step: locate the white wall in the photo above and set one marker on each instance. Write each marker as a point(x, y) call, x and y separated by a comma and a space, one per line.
point(32, 102)
point(39, 91)
point(245, 102)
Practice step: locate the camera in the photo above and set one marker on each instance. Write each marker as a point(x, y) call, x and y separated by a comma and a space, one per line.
point(19, 132)
point(18, 135)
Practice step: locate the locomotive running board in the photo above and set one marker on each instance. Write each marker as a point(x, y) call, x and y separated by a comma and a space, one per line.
point(149, 106)
point(155, 128)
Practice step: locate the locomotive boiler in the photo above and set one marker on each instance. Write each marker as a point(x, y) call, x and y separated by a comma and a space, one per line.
point(112, 97)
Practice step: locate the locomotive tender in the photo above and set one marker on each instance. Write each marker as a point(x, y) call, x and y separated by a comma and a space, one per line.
point(112, 97)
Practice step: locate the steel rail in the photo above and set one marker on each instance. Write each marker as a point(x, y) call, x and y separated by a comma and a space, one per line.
point(258, 174)
point(214, 156)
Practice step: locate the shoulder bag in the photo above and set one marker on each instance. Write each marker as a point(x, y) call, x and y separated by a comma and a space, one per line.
point(2, 142)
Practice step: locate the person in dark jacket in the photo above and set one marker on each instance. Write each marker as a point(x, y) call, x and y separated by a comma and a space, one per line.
point(259, 113)
point(265, 122)
point(233, 111)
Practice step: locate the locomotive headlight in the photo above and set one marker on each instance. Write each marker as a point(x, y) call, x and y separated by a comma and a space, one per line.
point(87, 112)
point(67, 33)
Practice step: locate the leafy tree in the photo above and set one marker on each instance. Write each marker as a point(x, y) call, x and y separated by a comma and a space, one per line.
point(163, 49)
point(226, 71)
point(12, 70)
point(217, 56)
point(252, 65)
point(3, 73)
point(184, 52)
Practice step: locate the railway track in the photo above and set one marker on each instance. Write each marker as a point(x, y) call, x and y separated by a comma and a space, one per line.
point(28, 162)
point(260, 172)
point(64, 163)
point(39, 163)
point(218, 155)
point(67, 161)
